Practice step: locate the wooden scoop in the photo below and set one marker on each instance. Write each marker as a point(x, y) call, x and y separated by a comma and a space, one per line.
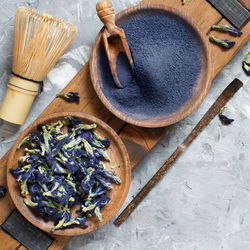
point(114, 38)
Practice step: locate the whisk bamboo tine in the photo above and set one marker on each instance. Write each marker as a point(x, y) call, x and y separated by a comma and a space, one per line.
point(39, 41)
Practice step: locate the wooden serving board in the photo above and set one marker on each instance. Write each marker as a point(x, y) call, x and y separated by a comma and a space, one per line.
point(139, 141)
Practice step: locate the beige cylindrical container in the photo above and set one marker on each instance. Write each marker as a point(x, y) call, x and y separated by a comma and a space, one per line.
point(18, 100)
point(39, 41)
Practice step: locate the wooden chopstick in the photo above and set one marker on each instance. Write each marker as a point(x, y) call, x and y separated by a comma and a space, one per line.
point(221, 101)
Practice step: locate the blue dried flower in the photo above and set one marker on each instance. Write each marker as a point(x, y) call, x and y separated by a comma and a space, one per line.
point(246, 63)
point(70, 224)
point(41, 200)
point(104, 141)
point(225, 120)
point(81, 221)
point(97, 192)
point(106, 183)
point(69, 162)
point(33, 151)
point(34, 189)
point(73, 121)
point(60, 170)
point(109, 175)
point(87, 135)
point(3, 191)
point(48, 212)
point(102, 200)
point(70, 96)
point(42, 175)
point(227, 28)
point(30, 203)
point(98, 154)
point(28, 159)
point(17, 172)
point(223, 43)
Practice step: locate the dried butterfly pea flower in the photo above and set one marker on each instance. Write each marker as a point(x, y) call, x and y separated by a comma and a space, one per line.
point(246, 63)
point(33, 151)
point(227, 28)
point(98, 191)
point(65, 169)
point(223, 109)
point(24, 141)
point(88, 147)
point(28, 159)
point(35, 189)
point(106, 183)
point(224, 119)
point(87, 126)
point(72, 121)
point(104, 141)
point(73, 222)
point(70, 97)
point(223, 43)
point(110, 175)
point(98, 213)
point(3, 191)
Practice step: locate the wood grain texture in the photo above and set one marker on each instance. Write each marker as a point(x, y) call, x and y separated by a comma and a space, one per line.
point(7, 242)
point(202, 84)
point(22, 248)
point(117, 153)
point(205, 15)
point(6, 205)
point(60, 242)
point(232, 10)
point(89, 102)
point(200, 11)
point(245, 3)
point(140, 141)
point(221, 101)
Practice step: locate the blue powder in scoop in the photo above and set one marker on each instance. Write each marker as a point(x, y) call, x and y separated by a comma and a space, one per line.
point(166, 54)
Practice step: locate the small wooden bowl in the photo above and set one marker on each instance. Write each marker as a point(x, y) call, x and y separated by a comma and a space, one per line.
point(117, 153)
point(199, 90)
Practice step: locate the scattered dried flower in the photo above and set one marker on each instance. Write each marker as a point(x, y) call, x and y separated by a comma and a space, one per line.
point(3, 191)
point(223, 43)
point(61, 170)
point(246, 63)
point(227, 28)
point(224, 119)
point(70, 97)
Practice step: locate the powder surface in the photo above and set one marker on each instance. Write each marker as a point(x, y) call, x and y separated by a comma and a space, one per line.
point(166, 55)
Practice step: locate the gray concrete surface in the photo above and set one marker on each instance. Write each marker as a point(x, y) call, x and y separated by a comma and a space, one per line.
point(203, 202)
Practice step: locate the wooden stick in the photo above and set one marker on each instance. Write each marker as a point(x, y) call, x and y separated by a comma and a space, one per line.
point(221, 101)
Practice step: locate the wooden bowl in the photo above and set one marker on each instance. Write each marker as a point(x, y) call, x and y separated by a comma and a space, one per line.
point(198, 91)
point(117, 153)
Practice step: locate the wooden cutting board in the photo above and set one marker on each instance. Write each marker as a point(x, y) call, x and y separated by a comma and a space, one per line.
point(139, 141)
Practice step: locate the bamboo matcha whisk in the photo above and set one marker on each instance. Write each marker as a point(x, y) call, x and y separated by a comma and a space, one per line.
point(39, 41)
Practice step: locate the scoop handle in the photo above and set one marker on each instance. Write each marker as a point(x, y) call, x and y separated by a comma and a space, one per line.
point(106, 13)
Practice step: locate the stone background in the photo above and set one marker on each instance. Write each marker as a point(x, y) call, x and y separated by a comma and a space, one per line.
point(203, 202)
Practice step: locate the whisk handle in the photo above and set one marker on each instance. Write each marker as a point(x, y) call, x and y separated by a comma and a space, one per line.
point(106, 13)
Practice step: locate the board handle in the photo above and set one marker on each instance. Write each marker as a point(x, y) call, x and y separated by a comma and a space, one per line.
point(106, 13)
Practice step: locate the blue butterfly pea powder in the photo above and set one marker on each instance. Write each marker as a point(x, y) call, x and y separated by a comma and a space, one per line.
point(167, 59)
